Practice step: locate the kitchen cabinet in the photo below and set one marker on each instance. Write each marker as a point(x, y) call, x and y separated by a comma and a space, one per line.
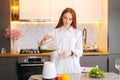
point(88, 9)
point(2, 68)
point(11, 68)
point(92, 61)
point(51, 9)
point(2, 72)
point(4, 22)
point(34, 9)
point(85, 9)
point(114, 27)
point(57, 6)
point(112, 63)
point(8, 68)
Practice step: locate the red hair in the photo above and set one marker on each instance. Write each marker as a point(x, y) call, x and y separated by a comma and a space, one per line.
point(66, 10)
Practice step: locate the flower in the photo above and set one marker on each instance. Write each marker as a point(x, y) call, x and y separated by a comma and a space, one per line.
point(14, 34)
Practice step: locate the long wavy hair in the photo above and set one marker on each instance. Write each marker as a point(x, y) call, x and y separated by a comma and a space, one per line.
point(66, 10)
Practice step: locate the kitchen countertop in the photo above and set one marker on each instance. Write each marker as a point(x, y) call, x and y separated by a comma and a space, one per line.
point(48, 54)
point(83, 76)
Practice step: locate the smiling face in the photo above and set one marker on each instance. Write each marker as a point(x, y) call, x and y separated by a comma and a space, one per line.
point(67, 20)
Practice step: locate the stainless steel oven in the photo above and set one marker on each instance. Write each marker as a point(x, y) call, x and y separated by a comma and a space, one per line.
point(28, 66)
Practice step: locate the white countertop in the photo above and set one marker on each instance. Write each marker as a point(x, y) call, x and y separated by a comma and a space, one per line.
point(83, 76)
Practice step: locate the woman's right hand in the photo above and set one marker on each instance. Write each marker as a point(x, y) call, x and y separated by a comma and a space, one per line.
point(45, 38)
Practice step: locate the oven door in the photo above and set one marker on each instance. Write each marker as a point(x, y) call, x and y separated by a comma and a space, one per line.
point(25, 70)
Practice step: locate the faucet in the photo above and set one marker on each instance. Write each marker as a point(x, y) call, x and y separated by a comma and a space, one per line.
point(84, 38)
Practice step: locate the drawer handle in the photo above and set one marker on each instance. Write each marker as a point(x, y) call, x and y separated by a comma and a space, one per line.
point(31, 64)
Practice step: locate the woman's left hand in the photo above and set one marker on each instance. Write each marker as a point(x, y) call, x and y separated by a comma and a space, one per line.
point(65, 54)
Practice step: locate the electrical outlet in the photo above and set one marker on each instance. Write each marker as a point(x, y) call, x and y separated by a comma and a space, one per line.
point(86, 69)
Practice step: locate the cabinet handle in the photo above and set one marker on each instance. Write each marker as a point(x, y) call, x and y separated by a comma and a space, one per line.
point(31, 64)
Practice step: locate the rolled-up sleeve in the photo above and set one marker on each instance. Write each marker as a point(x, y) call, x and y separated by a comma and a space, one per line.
point(78, 50)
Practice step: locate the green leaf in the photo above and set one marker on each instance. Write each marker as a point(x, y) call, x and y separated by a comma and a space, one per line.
point(96, 72)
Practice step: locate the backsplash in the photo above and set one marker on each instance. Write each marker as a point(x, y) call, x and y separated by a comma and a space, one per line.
point(33, 33)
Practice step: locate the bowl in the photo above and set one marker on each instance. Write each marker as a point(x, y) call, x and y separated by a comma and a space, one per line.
point(46, 50)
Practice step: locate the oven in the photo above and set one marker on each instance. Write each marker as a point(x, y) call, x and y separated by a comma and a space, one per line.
point(28, 66)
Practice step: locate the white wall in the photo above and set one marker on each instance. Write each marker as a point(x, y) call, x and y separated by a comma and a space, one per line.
point(33, 32)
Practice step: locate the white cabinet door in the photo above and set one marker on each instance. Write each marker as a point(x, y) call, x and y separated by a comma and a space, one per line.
point(52, 9)
point(57, 6)
point(88, 9)
point(85, 9)
point(34, 9)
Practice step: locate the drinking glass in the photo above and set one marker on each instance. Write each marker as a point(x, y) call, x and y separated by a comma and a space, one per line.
point(117, 64)
point(3, 50)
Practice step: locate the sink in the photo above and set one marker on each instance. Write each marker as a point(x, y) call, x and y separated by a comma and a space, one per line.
point(92, 50)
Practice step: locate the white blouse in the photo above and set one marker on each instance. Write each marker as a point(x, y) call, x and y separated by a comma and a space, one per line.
point(67, 40)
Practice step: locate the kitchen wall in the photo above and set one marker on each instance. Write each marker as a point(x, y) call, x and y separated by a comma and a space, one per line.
point(34, 31)
point(5, 20)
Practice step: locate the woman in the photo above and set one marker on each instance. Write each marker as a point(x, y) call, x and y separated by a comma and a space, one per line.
point(69, 41)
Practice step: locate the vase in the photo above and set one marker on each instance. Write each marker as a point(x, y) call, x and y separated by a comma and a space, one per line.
point(13, 46)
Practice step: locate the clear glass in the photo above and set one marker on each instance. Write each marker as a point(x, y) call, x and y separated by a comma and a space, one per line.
point(3, 50)
point(117, 64)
